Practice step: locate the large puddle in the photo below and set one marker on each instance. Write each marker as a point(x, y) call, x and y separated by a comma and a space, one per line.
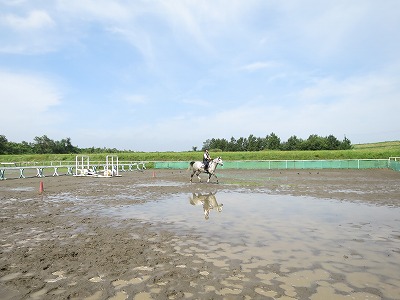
point(341, 246)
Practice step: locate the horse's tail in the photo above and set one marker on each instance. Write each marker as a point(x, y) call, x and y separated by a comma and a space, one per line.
point(191, 165)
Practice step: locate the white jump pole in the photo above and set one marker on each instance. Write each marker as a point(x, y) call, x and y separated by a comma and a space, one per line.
point(114, 164)
point(80, 164)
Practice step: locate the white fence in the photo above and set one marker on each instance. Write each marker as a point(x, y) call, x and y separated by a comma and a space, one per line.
point(18, 169)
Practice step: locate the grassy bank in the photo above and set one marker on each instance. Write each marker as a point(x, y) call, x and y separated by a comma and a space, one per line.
point(382, 150)
point(394, 145)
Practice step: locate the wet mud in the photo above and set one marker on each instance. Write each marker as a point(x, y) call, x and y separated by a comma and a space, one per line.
point(64, 243)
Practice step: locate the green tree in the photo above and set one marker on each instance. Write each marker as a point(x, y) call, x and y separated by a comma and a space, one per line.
point(251, 143)
point(233, 145)
point(241, 142)
point(332, 142)
point(345, 144)
point(3, 144)
point(19, 148)
point(206, 145)
point(293, 143)
point(314, 142)
point(221, 144)
point(64, 146)
point(273, 142)
point(43, 145)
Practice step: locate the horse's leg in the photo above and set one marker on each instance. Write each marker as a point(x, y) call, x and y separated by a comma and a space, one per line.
point(209, 177)
point(197, 174)
point(191, 176)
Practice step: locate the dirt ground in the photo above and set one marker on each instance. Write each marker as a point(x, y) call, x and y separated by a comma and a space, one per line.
point(56, 244)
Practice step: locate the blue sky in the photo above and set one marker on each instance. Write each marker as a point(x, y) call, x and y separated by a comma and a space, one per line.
point(168, 75)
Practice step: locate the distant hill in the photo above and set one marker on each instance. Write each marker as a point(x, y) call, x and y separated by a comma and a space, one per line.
point(390, 145)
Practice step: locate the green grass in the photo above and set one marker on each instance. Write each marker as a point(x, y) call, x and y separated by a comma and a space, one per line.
point(381, 150)
point(381, 146)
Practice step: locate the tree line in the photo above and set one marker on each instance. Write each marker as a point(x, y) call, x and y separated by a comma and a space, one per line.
point(273, 142)
point(45, 145)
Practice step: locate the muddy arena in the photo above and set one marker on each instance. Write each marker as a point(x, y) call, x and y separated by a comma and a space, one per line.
point(257, 234)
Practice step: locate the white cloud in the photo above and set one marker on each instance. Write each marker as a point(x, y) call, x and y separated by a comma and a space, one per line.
point(36, 19)
point(197, 102)
point(26, 103)
point(353, 107)
point(258, 66)
point(28, 32)
point(363, 107)
point(362, 88)
point(99, 10)
point(135, 99)
point(284, 66)
point(140, 39)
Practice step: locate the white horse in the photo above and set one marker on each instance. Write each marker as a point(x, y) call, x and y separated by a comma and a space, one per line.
point(197, 167)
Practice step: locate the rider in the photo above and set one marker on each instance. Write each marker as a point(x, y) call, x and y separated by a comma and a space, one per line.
point(206, 159)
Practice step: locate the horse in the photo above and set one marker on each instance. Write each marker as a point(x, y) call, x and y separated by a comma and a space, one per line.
point(197, 167)
point(208, 201)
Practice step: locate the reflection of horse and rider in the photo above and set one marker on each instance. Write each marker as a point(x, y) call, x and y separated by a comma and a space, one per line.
point(207, 166)
point(208, 201)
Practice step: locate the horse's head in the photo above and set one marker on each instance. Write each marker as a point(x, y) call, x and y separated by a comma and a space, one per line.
point(218, 161)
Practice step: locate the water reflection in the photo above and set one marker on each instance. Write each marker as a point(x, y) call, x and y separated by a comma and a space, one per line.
point(285, 245)
point(207, 201)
